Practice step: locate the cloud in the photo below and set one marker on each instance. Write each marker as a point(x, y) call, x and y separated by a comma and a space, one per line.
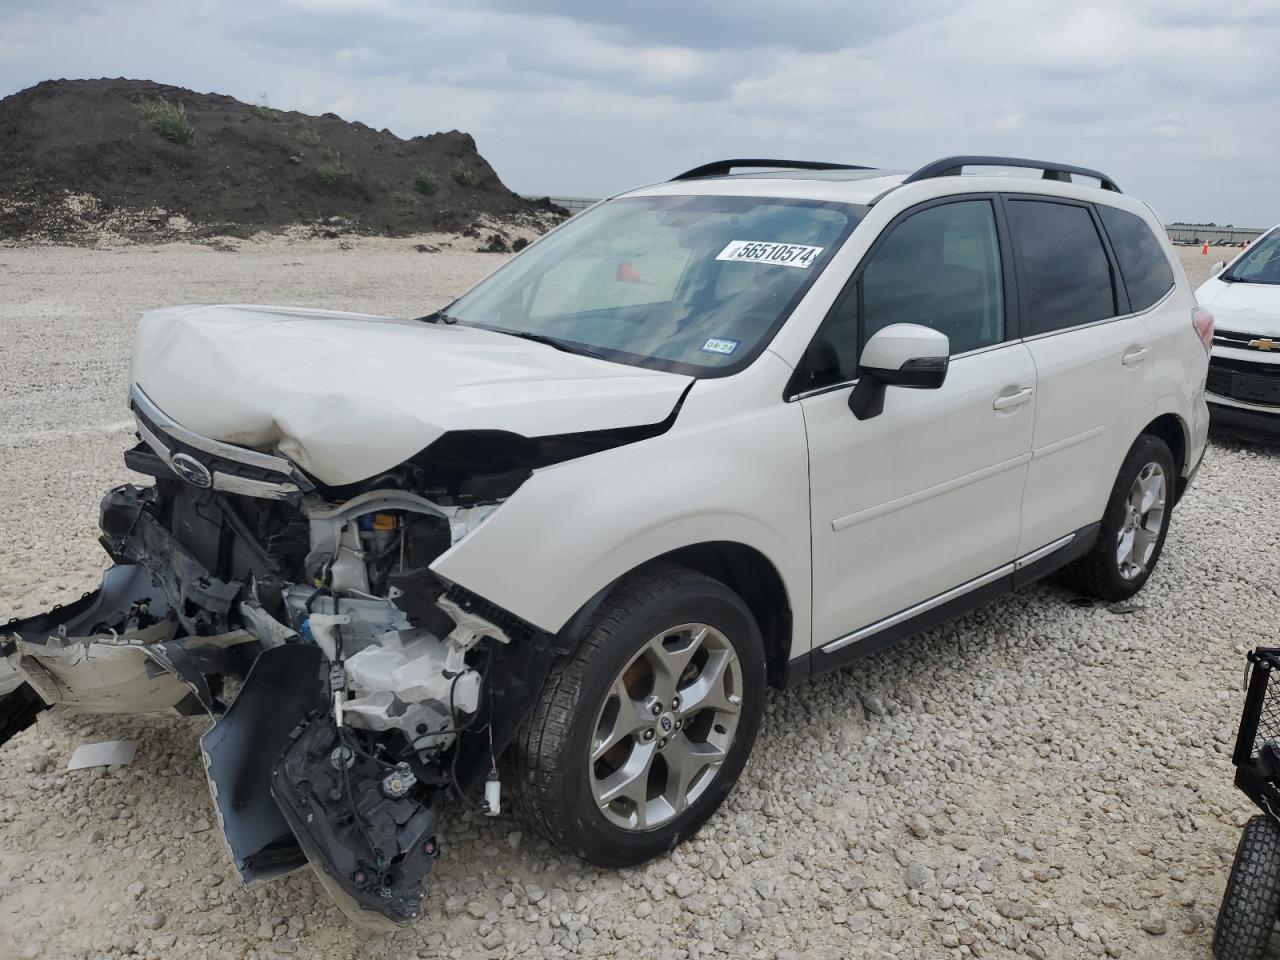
point(1173, 98)
point(800, 25)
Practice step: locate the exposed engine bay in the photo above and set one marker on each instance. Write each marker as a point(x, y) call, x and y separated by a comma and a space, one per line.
point(352, 689)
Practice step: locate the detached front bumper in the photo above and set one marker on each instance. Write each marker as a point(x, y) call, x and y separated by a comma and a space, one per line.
point(112, 651)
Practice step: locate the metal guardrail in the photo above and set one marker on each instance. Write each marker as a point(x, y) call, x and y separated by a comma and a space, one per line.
point(1194, 233)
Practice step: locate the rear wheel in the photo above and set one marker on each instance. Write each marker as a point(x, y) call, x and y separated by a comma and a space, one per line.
point(1252, 897)
point(639, 734)
point(1134, 525)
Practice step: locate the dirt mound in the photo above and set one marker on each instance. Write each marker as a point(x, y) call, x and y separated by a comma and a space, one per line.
point(142, 159)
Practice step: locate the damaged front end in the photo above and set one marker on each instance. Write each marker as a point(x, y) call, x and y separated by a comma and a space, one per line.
point(351, 688)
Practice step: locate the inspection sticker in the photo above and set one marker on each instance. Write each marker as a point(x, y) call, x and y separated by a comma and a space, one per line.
point(760, 251)
point(719, 345)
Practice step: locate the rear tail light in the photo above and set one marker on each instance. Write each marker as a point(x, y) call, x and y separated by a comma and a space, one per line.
point(1202, 320)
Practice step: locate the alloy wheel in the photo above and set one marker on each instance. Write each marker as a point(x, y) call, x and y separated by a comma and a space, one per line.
point(1143, 520)
point(665, 727)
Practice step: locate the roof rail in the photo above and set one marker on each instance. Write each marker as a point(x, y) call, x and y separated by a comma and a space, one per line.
point(719, 168)
point(954, 167)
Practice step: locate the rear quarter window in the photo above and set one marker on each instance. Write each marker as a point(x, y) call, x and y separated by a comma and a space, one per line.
point(1143, 264)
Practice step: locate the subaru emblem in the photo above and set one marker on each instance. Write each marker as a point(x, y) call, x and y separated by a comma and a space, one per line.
point(191, 470)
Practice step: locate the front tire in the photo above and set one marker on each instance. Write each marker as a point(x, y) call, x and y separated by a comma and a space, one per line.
point(1134, 525)
point(639, 734)
point(1252, 898)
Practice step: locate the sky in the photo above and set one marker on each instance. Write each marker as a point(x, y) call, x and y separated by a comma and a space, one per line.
point(1178, 100)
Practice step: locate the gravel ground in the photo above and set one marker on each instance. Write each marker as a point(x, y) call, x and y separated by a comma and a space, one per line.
point(1037, 778)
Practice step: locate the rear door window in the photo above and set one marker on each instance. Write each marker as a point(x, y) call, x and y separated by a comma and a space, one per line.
point(1066, 273)
point(1143, 264)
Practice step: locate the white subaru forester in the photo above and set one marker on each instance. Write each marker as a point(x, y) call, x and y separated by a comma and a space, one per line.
point(710, 436)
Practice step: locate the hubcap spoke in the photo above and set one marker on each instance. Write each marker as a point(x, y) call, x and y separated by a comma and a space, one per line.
point(1124, 549)
point(1152, 490)
point(1135, 498)
point(630, 716)
point(631, 780)
point(1143, 541)
point(670, 655)
point(708, 691)
point(686, 760)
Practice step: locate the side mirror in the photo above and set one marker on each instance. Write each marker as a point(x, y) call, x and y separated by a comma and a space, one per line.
point(1217, 268)
point(899, 355)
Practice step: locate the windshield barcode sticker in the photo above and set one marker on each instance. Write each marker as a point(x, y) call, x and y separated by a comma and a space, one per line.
point(759, 251)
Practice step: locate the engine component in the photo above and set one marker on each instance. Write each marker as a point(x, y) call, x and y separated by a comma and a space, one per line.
point(372, 850)
point(345, 569)
point(493, 795)
point(322, 630)
point(364, 530)
point(398, 782)
point(412, 682)
point(469, 628)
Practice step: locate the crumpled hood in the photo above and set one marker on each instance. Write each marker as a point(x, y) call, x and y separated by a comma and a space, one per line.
point(1243, 307)
point(346, 395)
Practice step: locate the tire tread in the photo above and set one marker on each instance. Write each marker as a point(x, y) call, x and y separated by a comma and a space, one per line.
point(1091, 575)
point(540, 744)
point(1252, 899)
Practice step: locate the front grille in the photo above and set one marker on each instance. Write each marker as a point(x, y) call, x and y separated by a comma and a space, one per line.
point(1246, 341)
point(1245, 380)
point(227, 468)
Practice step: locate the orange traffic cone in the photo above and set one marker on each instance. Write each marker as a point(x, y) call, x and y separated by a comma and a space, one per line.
point(1204, 251)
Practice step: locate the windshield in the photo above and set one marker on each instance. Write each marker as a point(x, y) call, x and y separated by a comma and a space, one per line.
point(1261, 264)
point(695, 285)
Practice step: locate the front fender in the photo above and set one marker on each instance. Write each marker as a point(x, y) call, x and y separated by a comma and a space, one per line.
point(724, 472)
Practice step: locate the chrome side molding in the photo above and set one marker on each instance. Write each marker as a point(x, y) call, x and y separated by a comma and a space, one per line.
point(927, 605)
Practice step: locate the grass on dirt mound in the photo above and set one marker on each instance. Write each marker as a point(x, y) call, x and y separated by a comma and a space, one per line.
point(132, 154)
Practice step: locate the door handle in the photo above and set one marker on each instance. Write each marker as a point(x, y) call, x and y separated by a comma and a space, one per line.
point(1008, 401)
point(1134, 357)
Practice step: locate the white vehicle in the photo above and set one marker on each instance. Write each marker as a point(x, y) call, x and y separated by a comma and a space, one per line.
point(708, 437)
point(1244, 370)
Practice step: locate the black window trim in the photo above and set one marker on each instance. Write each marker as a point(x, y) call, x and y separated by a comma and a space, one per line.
point(1173, 275)
point(1119, 292)
point(853, 287)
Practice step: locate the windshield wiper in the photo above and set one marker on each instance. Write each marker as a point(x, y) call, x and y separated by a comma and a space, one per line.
point(438, 317)
point(565, 345)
